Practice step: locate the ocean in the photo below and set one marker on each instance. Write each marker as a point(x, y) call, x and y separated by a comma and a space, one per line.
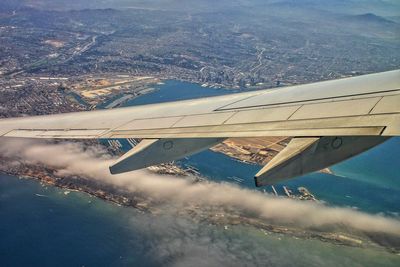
point(47, 226)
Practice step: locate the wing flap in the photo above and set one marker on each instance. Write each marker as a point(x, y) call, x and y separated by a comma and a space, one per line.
point(336, 109)
point(387, 104)
point(358, 125)
point(262, 115)
point(154, 123)
point(68, 133)
point(195, 133)
point(203, 119)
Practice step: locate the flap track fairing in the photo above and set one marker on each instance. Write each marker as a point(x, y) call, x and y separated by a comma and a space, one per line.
point(304, 155)
point(155, 151)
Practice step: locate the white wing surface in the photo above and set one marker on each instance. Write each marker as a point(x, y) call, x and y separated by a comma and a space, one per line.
point(366, 105)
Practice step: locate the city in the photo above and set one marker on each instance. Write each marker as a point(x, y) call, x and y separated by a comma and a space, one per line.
point(96, 55)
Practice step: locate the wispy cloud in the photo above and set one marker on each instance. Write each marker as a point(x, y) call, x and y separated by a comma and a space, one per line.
point(93, 162)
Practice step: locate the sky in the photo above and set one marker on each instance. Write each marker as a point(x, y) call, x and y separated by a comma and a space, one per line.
point(379, 7)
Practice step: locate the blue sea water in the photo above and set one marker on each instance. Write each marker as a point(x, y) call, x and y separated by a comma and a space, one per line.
point(333, 189)
point(43, 226)
point(172, 90)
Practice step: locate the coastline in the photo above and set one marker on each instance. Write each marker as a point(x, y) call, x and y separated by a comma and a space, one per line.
point(214, 216)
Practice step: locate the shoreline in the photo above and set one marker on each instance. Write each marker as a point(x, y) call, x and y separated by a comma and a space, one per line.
point(215, 216)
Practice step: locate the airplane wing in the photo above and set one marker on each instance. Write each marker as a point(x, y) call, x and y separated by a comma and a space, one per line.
point(346, 113)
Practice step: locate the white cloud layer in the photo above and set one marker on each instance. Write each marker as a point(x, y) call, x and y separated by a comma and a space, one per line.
point(93, 162)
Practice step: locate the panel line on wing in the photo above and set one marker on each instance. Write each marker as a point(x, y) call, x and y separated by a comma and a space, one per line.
point(237, 101)
point(332, 99)
point(229, 118)
point(369, 112)
point(173, 125)
point(294, 112)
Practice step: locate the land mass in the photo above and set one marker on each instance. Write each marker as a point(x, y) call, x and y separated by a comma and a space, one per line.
point(212, 215)
point(57, 60)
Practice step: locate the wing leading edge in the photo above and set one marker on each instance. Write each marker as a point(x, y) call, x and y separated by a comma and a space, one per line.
point(360, 106)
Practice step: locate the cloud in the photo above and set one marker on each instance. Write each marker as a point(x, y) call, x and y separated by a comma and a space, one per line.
point(93, 162)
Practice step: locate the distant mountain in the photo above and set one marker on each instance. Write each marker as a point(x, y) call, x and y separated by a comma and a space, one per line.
point(351, 7)
point(383, 8)
point(370, 17)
